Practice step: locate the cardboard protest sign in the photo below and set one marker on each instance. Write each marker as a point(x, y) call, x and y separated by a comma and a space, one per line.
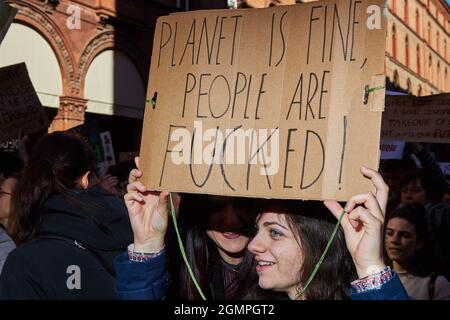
point(20, 108)
point(7, 14)
point(283, 102)
point(417, 119)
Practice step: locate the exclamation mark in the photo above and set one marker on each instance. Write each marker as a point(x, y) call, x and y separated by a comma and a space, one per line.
point(343, 150)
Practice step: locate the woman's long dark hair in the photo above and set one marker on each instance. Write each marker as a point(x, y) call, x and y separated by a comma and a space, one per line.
point(200, 250)
point(313, 225)
point(414, 214)
point(56, 163)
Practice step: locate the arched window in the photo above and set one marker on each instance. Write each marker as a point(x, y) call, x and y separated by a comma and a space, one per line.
point(407, 51)
point(417, 22)
point(430, 67)
point(408, 86)
point(445, 49)
point(438, 74)
point(445, 80)
point(419, 91)
point(394, 42)
point(25, 44)
point(124, 93)
point(396, 79)
point(405, 12)
point(437, 42)
point(418, 59)
point(394, 7)
point(429, 33)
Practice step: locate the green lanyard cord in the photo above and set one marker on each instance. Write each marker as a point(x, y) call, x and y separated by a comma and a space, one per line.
point(316, 268)
point(191, 274)
point(183, 252)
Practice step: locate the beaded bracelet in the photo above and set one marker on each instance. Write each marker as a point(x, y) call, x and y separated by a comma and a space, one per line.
point(374, 281)
point(142, 256)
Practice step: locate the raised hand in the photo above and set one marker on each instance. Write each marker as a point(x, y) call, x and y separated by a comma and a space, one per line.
point(363, 224)
point(148, 213)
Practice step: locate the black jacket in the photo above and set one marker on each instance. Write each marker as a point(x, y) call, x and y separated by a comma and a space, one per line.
point(53, 266)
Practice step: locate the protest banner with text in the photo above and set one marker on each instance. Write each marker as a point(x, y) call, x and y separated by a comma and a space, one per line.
point(282, 102)
point(417, 119)
point(20, 108)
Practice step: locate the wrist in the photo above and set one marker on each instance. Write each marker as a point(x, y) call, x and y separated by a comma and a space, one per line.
point(136, 256)
point(370, 270)
point(149, 246)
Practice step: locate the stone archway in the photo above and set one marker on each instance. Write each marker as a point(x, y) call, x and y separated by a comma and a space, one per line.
point(109, 40)
point(35, 18)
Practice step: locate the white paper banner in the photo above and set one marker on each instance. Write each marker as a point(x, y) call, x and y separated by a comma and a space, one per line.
point(391, 149)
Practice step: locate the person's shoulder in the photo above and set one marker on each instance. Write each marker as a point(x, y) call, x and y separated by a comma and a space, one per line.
point(442, 289)
point(442, 281)
point(4, 237)
point(6, 243)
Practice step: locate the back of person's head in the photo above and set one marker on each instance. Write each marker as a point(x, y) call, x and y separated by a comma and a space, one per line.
point(313, 225)
point(56, 164)
point(414, 214)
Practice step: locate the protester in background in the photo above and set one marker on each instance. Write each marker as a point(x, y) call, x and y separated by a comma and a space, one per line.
point(429, 177)
point(417, 188)
point(7, 187)
point(6, 191)
point(142, 272)
point(67, 234)
point(407, 249)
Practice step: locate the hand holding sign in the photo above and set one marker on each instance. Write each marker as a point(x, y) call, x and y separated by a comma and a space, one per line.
point(148, 214)
point(363, 225)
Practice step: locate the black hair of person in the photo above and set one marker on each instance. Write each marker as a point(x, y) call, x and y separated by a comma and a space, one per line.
point(56, 163)
point(425, 181)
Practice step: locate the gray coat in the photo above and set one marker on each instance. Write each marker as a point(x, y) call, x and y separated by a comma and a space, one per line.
point(6, 246)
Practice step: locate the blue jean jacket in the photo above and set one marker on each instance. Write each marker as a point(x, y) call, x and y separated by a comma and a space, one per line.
point(149, 281)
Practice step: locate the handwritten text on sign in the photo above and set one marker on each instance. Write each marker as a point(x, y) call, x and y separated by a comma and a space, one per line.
point(265, 102)
point(417, 119)
point(20, 108)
